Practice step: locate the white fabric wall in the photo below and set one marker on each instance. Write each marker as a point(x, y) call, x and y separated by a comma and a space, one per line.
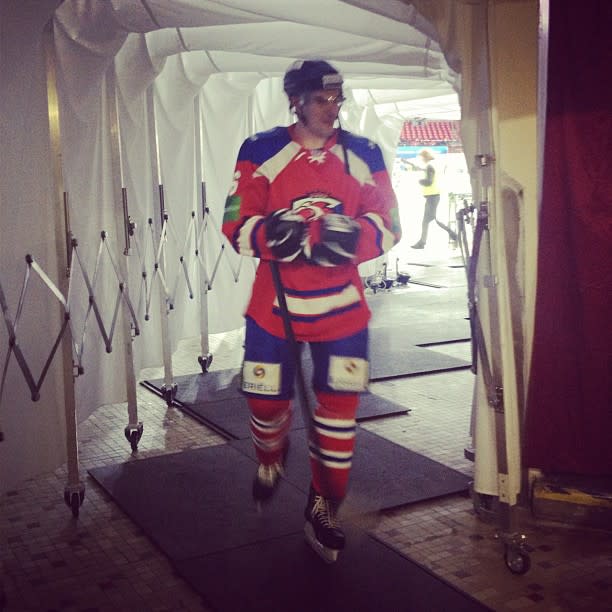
point(34, 432)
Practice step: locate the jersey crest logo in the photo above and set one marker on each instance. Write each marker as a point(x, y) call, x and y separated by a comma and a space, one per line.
point(315, 205)
point(317, 156)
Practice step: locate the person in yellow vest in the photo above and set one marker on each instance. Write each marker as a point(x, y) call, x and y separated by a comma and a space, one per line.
point(431, 191)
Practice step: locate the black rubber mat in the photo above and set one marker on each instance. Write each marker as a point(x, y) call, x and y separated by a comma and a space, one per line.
point(199, 501)
point(284, 575)
point(421, 333)
point(390, 357)
point(196, 506)
point(418, 306)
point(383, 475)
point(229, 416)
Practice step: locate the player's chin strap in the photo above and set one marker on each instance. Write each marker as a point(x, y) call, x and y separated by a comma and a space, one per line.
point(284, 311)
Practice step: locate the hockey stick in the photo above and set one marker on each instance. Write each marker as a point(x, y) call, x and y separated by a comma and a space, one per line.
point(284, 311)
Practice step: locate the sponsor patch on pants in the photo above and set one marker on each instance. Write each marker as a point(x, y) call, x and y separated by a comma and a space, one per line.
point(348, 373)
point(262, 378)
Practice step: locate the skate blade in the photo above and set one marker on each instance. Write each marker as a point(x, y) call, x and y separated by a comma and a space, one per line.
point(329, 555)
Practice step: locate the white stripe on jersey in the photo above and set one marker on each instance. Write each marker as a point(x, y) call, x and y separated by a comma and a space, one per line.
point(277, 163)
point(322, 304)
point(388, 239)
point(360, 171)
point(244, 236)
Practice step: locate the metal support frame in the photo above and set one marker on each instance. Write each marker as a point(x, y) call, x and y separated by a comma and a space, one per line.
point(205, 358)
point(134, 428)
point(159, 223)
point(490, 361)
point(74, 491)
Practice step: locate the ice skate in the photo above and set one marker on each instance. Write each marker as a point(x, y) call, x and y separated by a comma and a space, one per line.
point(266, 481)
point(268, 477)
point(322, 529)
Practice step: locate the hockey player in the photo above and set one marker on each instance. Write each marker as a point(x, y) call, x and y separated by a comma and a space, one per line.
point(318, 201)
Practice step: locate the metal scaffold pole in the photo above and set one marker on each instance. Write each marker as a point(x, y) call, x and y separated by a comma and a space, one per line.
point(205, 358)
point(74, 492)
point(160, 224)
point(134, 428)
point(493, 368)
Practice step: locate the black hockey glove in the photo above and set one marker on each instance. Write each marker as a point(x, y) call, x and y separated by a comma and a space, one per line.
point(337, 242)
point(285, 234)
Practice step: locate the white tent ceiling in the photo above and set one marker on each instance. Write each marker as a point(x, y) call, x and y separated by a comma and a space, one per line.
point(396, 68)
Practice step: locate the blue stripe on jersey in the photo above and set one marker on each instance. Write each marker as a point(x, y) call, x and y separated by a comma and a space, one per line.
point(317, 292)
point(256, 252)
point(264, 145)
point(378, 234)
point(366, 150)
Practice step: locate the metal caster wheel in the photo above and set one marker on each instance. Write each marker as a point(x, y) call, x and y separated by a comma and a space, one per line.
point(205, 361)
point(74, 500)
point(517, 561)
point(169, 393)
point(133, 435)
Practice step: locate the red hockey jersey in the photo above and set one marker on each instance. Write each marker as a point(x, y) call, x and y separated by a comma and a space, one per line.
point(348, 176)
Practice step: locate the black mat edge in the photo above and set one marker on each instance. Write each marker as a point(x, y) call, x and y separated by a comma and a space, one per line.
point(427, 372)
point(151, 386)
point(426, 284)
point(444, 342)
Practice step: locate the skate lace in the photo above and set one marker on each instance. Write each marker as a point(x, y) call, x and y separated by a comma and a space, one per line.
point(324, 511)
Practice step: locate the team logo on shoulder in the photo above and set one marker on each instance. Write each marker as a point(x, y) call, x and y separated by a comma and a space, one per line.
point(315, 205)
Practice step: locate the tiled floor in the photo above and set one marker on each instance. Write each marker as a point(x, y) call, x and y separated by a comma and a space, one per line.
point(102, 561)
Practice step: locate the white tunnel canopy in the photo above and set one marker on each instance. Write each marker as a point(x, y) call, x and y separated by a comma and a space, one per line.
point(212, 73)
point(396, 68)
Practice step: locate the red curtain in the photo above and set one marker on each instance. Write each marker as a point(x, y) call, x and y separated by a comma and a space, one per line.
point(569, 410)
